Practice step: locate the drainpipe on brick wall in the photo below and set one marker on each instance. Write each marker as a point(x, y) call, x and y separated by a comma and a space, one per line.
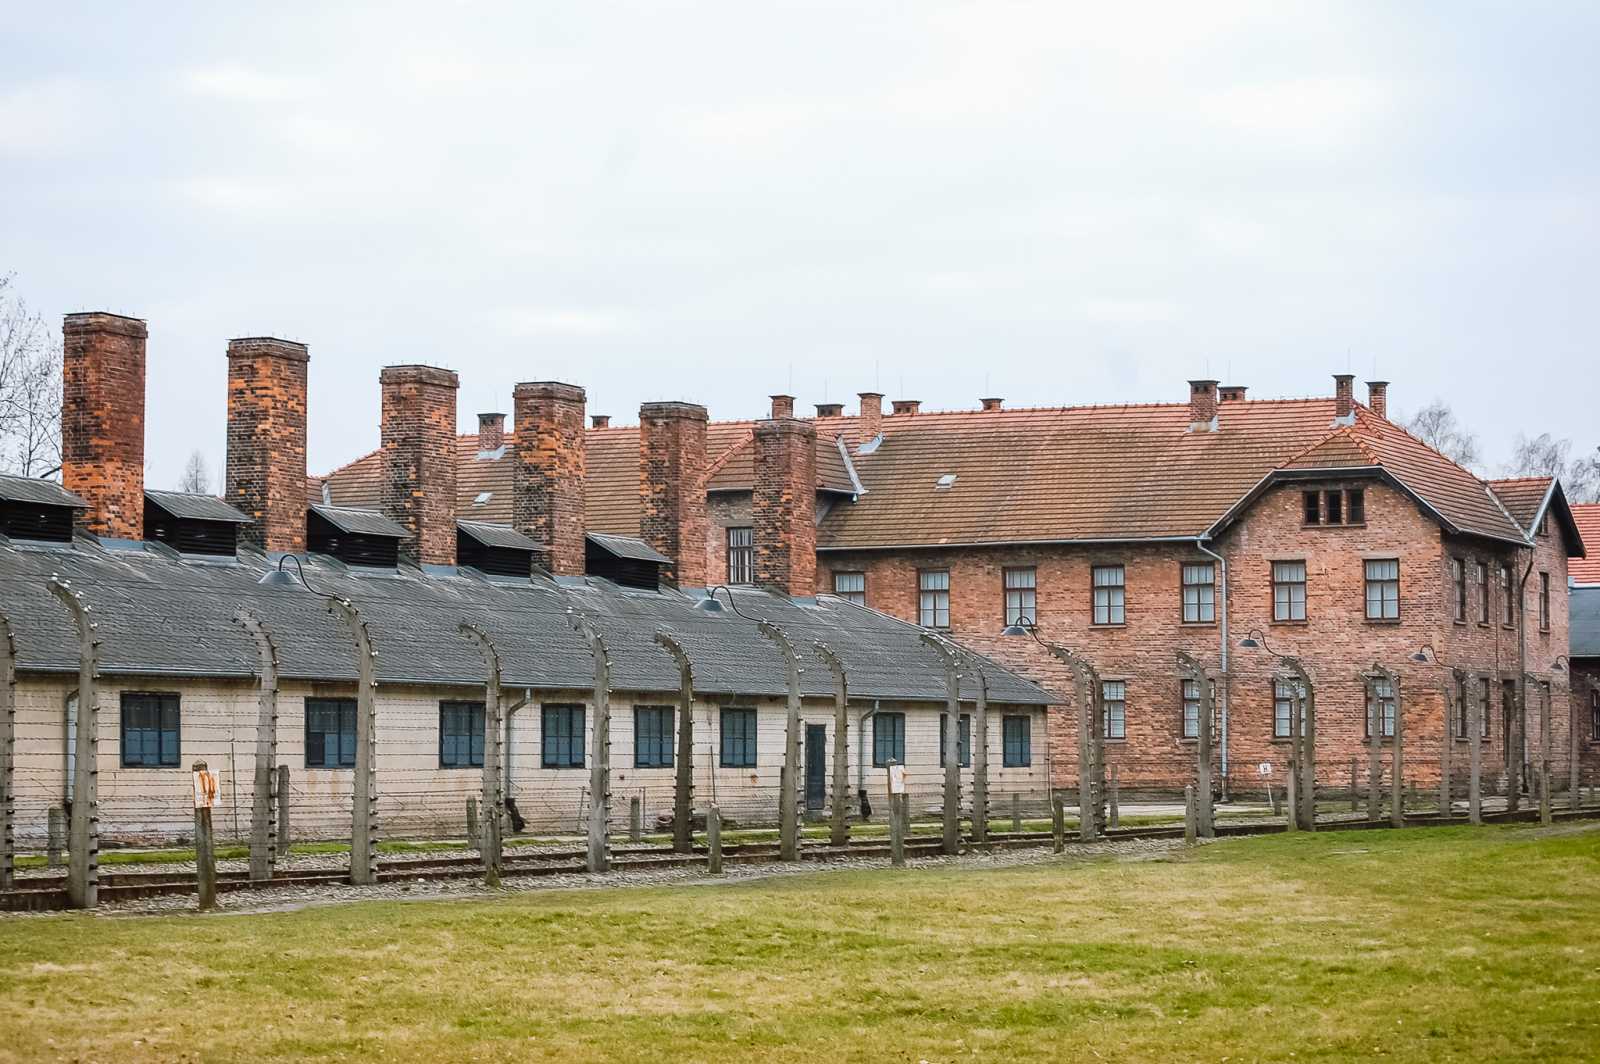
point(1227, 676)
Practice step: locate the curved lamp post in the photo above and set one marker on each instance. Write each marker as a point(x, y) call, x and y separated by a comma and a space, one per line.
point(491, 829)
point(83, 839)
point(683, 781)
point(952, 740)
point(1091, 730)
point(1302, 733)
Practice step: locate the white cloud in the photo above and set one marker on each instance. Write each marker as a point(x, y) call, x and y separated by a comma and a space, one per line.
point(246, 85)
point(45, 116)
point(562, 321)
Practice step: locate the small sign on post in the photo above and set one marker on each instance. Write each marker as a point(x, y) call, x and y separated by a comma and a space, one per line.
point(205, 857)
point(895, 781)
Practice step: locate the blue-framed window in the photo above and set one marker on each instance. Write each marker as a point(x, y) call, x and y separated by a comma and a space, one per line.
point(888, 739)
point(149, 730)
point(652, 736)
point(460, 734)
point(1016, 740)
point(738, 728)
point(561, 742)
point(963, 741)
point(330, 733)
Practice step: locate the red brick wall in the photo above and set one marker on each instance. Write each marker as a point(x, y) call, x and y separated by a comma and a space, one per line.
point(784, 506)
point(548, 477)
point(102, 421)
point(1585, 674)
point(418, 432)
point(266, 468)
point(724, 510)
point(672, 492)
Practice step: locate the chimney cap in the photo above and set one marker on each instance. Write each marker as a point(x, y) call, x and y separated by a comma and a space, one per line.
point(1377, 384)
point(415, 373)
point(1202, 384)
point(105, 321)
point(779, 396)
point(830, 409)
point(992, 402)
point(599, 421)
point(1344, 378)
point(274, 346)
point(491, 415)
point(572, 393)
point(671, 409)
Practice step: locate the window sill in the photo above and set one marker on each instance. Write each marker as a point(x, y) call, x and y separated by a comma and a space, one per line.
point(1460, 624)
point(1197, 624)
point(1464, 739)
point(1111, 625)
point(1116, 742)
point(1289, 624)
point(1382, 621)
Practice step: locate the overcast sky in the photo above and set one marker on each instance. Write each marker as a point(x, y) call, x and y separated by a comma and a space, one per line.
point(1052, 203)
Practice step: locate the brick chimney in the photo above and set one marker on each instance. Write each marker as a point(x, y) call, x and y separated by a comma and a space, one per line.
point(102, 421)
point(548, 475)
point(672, 489)
point(906, 407)
point(491, 432)
point(830, 409)
point(1378, 397)
point(1344, 394)
point(993, 402)
point(1202, 402)
point(266, 477)
point(784, 507)
point(1231, 393)
point(782, 406)
point(418, 431)
point(600, 421)
point(871, 414)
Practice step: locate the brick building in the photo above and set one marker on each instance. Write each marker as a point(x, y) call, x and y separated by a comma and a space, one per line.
point(1130, 533)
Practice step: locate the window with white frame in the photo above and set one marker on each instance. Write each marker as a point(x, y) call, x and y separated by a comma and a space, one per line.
point(1381, 705)
point(1110, 587)
point(1383, 589)
point(741, 555)
point(1283, 697)
point(933, 598)
point(963, 741)
point(1288, 591)
point(852, 587)
point(1114, 693)
point(1191, 707)
point(1458, 580)
point(1199, 593)
point(1020, 585)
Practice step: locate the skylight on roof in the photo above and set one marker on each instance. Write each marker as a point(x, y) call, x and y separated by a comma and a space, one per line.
point(945, 483)
point(482, 498)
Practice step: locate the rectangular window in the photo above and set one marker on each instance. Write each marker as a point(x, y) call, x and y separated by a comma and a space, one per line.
point(1109, 594)
point(852, 587)
point(1482, 573)
point(1199, 593)
point(888, 739)
point(1114, 693)
point(1508, 594)
point(1383, 590)
point(1288, 591)
point(1594, 716)
point(1332, 508)
point(460, 734)
point(738, 738)
point(149, 730)
point(1191, 709)
point(562, 740)
point(1483, 708)
point(1458, 580)
point(330, 733)
point(1381, 694)
point(1016, 740)
point(963, 741)
point(652, 736)
point(1020, 585)
point(933, 598)
point(1312, 501)
point(1544, 602)
point(741, 555)
point(1462, 694)
point(1355, 506)
point(1282, 708)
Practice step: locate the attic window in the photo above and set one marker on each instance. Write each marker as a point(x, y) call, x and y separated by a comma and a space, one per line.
point(945, 483)
point(1335, 506)
point(482, 498)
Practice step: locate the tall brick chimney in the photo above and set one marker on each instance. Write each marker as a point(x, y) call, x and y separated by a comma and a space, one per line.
point(491, 432)
point(1202, 402)
point(871, 414)
point(672, 489)
point(1378, 397)
point(548, 475)
point(102, 421)
point(785, 505)
point(782, 406)
point(266, 477)
point(418, 433)
point(1344, 394)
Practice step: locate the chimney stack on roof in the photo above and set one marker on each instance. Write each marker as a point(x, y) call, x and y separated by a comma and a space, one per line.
point(548, 475)
point(830, 409)
point(418, 433)
point(599, 421)
point(784, 507)
point(266, 465)
point(782, 406)
point(672, 489)
point(1344, 394)
point(906, 407)
point(1202, 404)
point(1378, 397)
point(1231, 393)
point(102, 421)
point(871, 420)
point(491, 432)
point(992, 403)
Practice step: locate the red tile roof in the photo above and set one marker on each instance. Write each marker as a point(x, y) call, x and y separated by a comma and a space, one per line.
point(1522, 496)
point(1586, 570)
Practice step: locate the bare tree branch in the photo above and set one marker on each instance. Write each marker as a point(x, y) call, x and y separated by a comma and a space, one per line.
point(30, 388)
point(196, 475)
point(1436, 426)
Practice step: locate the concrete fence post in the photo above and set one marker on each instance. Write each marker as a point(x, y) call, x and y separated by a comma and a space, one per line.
point(1448, 734)
point(55, 835)
point(1475, 761)
point(1546, 816)
point(1574, 771)
point(714, 841)
point(282, 798)
point(1058, 823)
point(8, 737)
point(1291, 788)
point(474, 833)
point(490, 834)
point(364, 821)
point(263, 834)
point(897, 830)
point(1189, 826)
point(839, 798)
point(83, 838)
point(1115, 804)
point(1016, 812)
point(951, 754)
point(600, 740)
point(789, 777)
point(1397, 805)
point(205, 853)
point(683, 766)
point(980, 754)
point(1190, 669)
point(1374, 747)
point(635, 819)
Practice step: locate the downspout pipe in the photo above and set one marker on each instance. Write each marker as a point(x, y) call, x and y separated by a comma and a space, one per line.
point(1227, 677)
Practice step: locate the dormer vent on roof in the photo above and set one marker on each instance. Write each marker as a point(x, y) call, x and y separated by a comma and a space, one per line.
point(40, 510)
point(356, 537)
point(191, 523)
point(945, 483)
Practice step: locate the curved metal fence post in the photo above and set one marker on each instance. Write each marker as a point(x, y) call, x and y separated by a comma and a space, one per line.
point(1303, 804)
point(364, 818)
point(493, 818)
point(980, 756)
point(839, 800)
point(952, 742)
point(788, 782)
point(1397, 810)
point(263, 821)
point(8, 736)
point(1194, 671)
point(1448, 735)
point(1475, 726)
point(83, 833)
point(600, 753)
point(683, 781)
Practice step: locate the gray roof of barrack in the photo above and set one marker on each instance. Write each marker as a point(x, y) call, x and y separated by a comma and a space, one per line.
point(492, 535)
point(627, 547)
point(188, 506)
point(359, 522)
point(169, 617)
point(38, 492)
point(1584, 619)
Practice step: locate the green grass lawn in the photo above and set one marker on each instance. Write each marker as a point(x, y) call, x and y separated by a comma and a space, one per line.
point(1439, 944)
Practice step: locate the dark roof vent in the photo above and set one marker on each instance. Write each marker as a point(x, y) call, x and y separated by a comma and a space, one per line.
point(355, 537)
point(623, 560)
point(37, 509)
point(192, 524)
point(498, 550)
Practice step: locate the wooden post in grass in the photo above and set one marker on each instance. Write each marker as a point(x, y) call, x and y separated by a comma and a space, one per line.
point(839, 799)
point(8, 731)
point(282, 798)
point(1058, 823)
point(597, 859)
point(1016, 812)
point(789, 778)
point(205, 854)
point(83, 831)
point(1189, 815)
point(364, 822)
point(1475, 760)
point(635, 819)
point(897, 830)
point(714, 841)
point(263, 825)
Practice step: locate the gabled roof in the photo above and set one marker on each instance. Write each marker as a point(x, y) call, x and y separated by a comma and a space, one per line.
point(1586, 518)
point(192, 507)
point(503, 536)
point(627, 547)
point(37, 492)
point(359, 522)
point(1529, 500)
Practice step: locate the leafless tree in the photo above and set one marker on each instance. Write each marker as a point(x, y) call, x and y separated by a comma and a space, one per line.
point(1436, 425)
point(30, 389)
point(1545, 456)
point(196, 475)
